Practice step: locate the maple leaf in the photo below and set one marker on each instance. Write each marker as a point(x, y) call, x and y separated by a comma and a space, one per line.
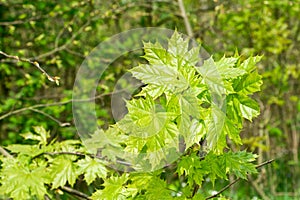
point(63, 170)
point(91, 168)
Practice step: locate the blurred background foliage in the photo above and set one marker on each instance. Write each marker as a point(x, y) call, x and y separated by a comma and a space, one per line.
point(59, 34)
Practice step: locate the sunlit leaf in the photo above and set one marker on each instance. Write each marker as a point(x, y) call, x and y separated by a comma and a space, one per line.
point(91, 168)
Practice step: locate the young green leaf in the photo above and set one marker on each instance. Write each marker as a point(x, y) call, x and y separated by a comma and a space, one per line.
point(91, 168)
point(22, 181)
point(63, 170)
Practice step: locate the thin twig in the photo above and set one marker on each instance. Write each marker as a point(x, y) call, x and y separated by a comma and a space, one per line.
point(264, 163)
point(62, 31)
point(9, 23)
point(58, 103)
point(75, 53)
point(224, 188)
point(62, 124)
point(74, 192)
point(291, 194)
point(46, 197)
point(49, 53)
point(64, 46)
point(34, 63)
point(185, 19)
point(236, 180)
point(5, 153)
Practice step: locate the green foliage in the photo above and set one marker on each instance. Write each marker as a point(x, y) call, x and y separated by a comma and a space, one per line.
point(177, 104)
point(59, 36)
point(92, 169)
point(21, 180)
point(216, 166)
point(36, 166)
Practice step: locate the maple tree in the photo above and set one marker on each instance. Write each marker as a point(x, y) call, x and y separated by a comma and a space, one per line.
point(177, 127)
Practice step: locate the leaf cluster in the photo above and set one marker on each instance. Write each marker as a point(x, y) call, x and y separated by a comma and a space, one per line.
point(177, 127)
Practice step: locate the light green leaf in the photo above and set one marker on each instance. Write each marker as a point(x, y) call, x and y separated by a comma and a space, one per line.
point(192, 168)
point(233, 110)
point(30, 150)
point(20, 181)
point(215, 168)
point(156, 54)
point(113, 189)
point(152, 90)
point(225, 63)
point(156, 147)
point(215, 124)
point(196, 133)
point(212, 77)
point(248, 84)
point(157, 189)
point(232, 131)
point(177, 45)
point(239, 163)
point(41, 135)
point(189, 103)
point(249, 108)
point(199, 196)
point(192, 56)
point(63, 170)
point(109, 140)
point(231, 72)
point(140, 181)
point(91, 168)
point(226, 68)
point(160, 75)
point(250, 63)
point(145, 117)
point(190, 75)
point(31, 136)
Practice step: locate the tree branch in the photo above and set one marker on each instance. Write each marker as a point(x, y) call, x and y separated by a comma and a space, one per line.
point(5, 153)
point(58, 103)
point(62, 124)
point(34, 63)
point(187, 24)
point(9, 23)
point(64, 46)
point(74, 192)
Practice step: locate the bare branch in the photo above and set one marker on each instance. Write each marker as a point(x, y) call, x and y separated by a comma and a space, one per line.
point(9, 23)
point(58, 103)
point(187, 24)
point(223, 189)
point(46, 197)
point(75, 53)
point(74, 192)
point(49, 53)
point(64, 46)
point(264, 163)
point(5, 153)
point(35, 63)
point(62, 31)
point(62, 124)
